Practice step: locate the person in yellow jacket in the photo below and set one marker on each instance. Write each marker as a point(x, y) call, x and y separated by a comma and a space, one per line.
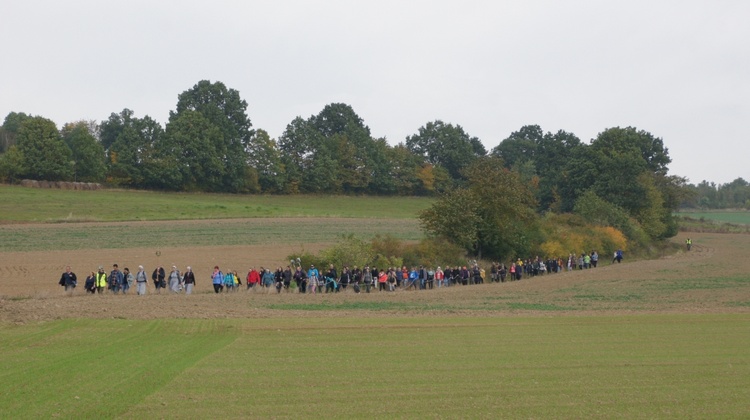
point(101, 280)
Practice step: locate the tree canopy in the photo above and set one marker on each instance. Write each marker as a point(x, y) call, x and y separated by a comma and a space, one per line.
point(489, 205)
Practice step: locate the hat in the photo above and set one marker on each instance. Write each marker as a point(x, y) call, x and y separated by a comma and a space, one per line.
point(101, 268)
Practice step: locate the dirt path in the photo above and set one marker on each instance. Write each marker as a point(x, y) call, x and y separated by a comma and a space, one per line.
point(713, 278)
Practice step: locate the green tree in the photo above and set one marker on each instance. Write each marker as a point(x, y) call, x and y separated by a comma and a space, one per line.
point(628, 168)
point(308, 159)
point(9, 129)
point(45, 154)
point(226, 110)
point(540, 158)
point(493, 216)
point(614, 142)
point(11, 165)
point(129, 143)
point(333, 152)
point(265, 157)
point(446, 145)
point(88, 154)
point(357, 154)
point(403, 169)
point(188, 150)
point(521, 146)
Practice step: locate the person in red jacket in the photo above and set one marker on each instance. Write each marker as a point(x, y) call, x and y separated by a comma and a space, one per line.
point(253, 278)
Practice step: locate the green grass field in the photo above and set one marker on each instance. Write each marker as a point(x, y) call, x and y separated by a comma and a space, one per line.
point(734, 217)
point(661, 366)
point(571, 351)
point(20, 204)
point(71, 236)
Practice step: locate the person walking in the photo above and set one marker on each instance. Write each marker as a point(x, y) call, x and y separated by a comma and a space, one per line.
point(217, 279)
point(127, 280)
point(140, 281)
point(158, 277)
point(252, 279)
point(101, 280)
point(68, 280)
point(188, 280)
point(267, 278)
point(115, 279)
point(229, 282)
point(174, 280)
point(90, 284)
point(301, 279)
point(312, 279)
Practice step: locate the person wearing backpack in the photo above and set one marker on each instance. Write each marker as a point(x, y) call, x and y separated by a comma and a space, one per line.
point(140, 281)
point(268, 279)
point(229, 283)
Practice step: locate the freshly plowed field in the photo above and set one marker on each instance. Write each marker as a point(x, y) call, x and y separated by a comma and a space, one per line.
point(713, 278)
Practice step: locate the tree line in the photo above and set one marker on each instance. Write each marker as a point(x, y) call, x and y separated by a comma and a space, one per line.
point(209, 144)
point(709, 195)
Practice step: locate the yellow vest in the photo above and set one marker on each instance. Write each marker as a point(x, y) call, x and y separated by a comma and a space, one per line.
point(101, 279)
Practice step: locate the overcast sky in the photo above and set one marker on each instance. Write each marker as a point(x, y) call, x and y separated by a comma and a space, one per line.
point(678, 69)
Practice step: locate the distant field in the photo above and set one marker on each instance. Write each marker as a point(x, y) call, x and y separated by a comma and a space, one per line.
point(736, 217)
point(35, 205)
point(197, 233)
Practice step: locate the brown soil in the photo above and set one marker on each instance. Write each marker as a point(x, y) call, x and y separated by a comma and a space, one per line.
point(672, 284)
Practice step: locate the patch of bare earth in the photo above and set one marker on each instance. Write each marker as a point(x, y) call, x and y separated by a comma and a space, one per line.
point(712, 278)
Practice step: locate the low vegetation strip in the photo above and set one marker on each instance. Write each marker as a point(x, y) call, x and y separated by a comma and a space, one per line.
point(653, 366)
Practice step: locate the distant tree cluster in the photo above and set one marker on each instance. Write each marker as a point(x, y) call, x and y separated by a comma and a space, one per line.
point(708, 195)
point(619, 180)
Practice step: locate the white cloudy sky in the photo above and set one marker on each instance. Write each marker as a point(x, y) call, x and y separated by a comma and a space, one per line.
point(678, 69)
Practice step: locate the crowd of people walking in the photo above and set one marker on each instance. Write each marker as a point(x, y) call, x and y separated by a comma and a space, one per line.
point(312, 280)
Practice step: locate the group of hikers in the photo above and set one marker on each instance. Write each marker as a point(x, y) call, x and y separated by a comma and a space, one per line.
point(329, 280)
point(117, 281)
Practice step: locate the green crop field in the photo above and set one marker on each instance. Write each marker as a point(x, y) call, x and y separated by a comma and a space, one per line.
point(735, 217)
point(20, 204)
point(665, 366)
point(259, 231)
point(665, 338)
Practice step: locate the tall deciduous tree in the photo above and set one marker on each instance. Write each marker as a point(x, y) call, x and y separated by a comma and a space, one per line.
point(628, 168)
point(188, 151)
point(303, 151)
point(333, 152)
point(493, 216)
point(88, 154)
point(130, 148)
point(265, 158)
point(9, 129)
point(226, 110)
point(540, 158)
point(446, 145)
point(45, 154)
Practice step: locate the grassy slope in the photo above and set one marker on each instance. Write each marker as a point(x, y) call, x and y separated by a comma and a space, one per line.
point(20, 204)
point(573, 367)
point(73, 236)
